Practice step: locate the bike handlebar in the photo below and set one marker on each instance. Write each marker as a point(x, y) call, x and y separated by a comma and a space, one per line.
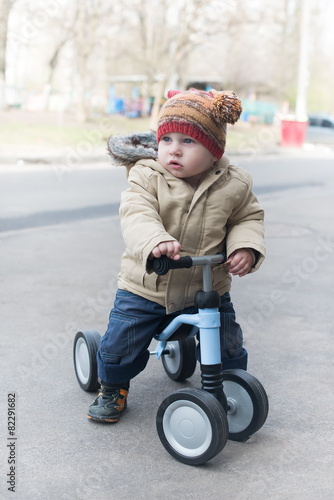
point(163, 264)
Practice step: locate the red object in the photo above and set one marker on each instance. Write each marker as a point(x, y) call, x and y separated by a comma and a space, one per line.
point(293, 133)
point(193, 131)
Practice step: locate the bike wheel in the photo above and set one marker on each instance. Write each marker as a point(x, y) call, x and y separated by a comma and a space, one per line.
point(192, 426)
point(247, 402)
point(180, 362)
point(84, 357)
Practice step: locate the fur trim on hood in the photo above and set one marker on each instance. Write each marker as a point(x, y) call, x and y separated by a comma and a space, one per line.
point(125, 150)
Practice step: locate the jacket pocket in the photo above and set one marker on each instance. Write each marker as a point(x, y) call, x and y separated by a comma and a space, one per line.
point(220, 277)
point(150, 281)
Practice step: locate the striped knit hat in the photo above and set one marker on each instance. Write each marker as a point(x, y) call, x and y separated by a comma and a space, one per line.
point(200, 115)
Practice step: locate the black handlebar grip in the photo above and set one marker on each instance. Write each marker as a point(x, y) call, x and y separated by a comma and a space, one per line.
point(164, 264)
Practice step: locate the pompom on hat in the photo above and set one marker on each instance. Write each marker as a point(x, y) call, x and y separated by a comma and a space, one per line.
point(200, 115)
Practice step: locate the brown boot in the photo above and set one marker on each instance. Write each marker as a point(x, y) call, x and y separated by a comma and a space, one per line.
point(109, 404)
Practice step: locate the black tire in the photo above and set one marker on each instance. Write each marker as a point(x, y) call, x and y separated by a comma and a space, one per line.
point(180, 363)
point(84, 357)
point(248, 404)
point(192, 426)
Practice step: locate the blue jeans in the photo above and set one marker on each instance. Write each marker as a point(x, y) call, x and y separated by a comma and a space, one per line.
point(133, 322)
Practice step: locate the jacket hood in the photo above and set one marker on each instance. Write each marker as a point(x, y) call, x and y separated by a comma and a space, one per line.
point(125, 150)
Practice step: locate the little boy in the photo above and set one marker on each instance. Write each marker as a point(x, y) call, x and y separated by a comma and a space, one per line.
point(188, 201)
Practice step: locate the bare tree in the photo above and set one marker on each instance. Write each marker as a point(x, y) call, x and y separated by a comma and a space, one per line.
point(167, 33)
point(249, 46)
point(84, 41)
point(5, 8)
point(281, 58)
point(66, 34)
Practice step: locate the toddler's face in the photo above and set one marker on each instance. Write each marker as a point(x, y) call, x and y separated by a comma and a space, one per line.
point(184, 157)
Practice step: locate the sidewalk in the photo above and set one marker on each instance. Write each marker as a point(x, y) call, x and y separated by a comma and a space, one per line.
point(99, 156)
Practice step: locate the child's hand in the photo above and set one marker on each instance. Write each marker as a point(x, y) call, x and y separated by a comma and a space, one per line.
point(240, 262)
point(169, 248)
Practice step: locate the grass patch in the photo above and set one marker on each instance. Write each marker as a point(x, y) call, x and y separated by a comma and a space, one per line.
point(250, 137)
point(52, 131)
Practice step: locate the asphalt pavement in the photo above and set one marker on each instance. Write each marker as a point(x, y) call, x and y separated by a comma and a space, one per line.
point(59, 276)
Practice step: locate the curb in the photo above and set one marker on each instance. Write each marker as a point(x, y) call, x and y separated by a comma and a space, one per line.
point(47, 159)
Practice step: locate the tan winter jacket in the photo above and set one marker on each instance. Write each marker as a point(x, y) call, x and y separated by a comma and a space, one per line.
point(157, 207)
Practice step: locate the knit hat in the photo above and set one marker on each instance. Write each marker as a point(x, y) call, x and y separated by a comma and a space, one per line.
point(200, 115)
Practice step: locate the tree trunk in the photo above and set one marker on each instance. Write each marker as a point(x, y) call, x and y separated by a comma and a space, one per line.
point(157, 102)
point(5, 6)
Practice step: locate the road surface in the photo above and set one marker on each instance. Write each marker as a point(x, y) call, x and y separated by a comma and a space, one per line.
point(60, 249)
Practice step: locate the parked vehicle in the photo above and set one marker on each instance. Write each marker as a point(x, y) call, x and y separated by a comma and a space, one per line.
point(320, 129)
point(321, 120)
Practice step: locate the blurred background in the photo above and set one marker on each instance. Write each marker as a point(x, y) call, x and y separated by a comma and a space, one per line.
point(65, 65)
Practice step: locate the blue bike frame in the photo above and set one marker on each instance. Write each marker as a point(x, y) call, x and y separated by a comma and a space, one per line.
point(207, 321)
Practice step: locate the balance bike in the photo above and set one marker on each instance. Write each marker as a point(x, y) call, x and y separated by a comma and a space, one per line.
point(193, 424)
